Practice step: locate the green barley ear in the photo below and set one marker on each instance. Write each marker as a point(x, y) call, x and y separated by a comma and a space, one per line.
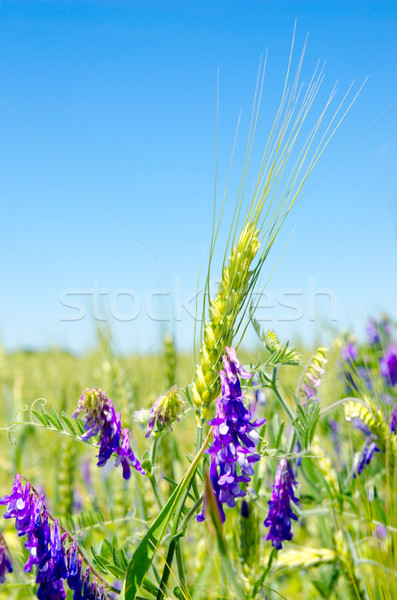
point(223, 313)
point(277, 184)
point(350, 571)
point(303, 558)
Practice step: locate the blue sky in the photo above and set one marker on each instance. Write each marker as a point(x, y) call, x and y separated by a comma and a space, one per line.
point(107, 159)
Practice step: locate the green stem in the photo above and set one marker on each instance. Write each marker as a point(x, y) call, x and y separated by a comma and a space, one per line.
point(156, 490)
point(279, 397)
point(153, 449)
point(331, 407)
point(285, 406)
point(292, 441)
point(181, 568)
point(175, 540)
point(190, 514)
point(152, 476)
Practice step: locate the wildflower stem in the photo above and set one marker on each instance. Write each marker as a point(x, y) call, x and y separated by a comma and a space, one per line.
point(174, 531)
point(156, 490)
point(190, 514)
point(181, 567)
point(152, 476)
point(331, 407)
point(279, 397)
point(293, 441)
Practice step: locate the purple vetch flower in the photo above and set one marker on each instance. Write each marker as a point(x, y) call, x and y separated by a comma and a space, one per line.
point(51, 590)
point(393, 420)
point(101, 419)
point(369, 450)
point(356, 379)
point(126, 456)
point(280, 511)
point(165, 410)
point(297, 449)
point(361, 426)
point(86, 472)
point(46, 547)
point(373, 332)
point(235, 438)
point(388, 365)
point(245, 509)
point(334, 427)
point(349, 352)
point(312, 377)
point(379, 330)
point(5, 563)
point(381, 532)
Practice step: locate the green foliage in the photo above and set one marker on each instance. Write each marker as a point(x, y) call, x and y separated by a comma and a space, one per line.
point(278, 355)
point(306, 422)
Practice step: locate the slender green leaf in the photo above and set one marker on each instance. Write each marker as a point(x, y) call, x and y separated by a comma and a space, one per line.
point(144, 554)
point(68, 423)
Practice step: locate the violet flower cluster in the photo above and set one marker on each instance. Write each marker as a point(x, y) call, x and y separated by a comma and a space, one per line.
point(355, 376)
point(369, 450)
point(46, 548)
point(280, 511)
point(5, 563)
point(378, 331)
point(388, 365)
point(349, 352)
point(312, 377)
point(393, 419)
point(165, 410)
point(100, 418)
point(235, 438)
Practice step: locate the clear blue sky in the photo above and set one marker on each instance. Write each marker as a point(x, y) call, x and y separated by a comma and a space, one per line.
point(123, 95)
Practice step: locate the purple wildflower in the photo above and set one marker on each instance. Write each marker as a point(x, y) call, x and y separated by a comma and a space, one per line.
point(126, 456)
point(46, 547)
point(388, 365)
point(5, 563)
point(334, 427)
point(297, 449)
point(379, 330)
point(393, 420)
point(349, 352)
point(361, 426)
point(357, 379)
point(369, 449)
point(280, 511)
point(381, 532)
point(101, 418)
point(312, 377)
point(373, 332)
point(235, 438)
point(165, 410)
point(245, 509)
